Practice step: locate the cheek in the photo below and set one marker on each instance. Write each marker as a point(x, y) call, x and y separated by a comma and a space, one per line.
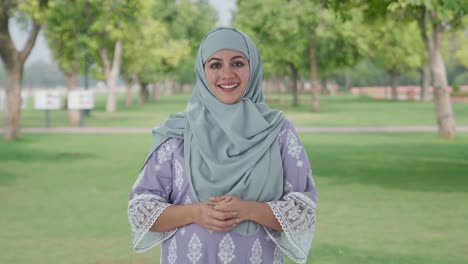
point(210, 77)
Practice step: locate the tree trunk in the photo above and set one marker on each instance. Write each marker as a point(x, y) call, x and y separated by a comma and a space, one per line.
point(394, 81)
point(425, 68)
point(315, 90)
point(144, 93)
point(156, 91)
point(112, 73)
point(168, 87)
point(129, 91)
point(348, 80)
point(12, 114)
point(293, 84)
point(13, 61)
point(443, 104)
point(73, 114)
point(282, 91)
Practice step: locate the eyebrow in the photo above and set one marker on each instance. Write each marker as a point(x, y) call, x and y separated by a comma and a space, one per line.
point(233, 58)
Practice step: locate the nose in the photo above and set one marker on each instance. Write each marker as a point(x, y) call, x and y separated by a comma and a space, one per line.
point(227, 72)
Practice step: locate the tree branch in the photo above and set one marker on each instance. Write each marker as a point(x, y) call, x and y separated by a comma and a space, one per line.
point(23, 54)
point(105, 60)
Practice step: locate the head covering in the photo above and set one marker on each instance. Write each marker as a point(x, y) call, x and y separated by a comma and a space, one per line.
point(229, 148)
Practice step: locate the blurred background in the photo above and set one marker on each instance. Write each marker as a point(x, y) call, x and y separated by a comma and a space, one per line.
point(395, 71)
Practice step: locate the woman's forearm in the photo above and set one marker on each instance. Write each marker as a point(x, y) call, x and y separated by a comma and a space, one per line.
point(262, 214)
point(174, 216)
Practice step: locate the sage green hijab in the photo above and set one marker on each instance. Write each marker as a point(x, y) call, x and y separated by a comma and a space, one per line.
point(229, 149)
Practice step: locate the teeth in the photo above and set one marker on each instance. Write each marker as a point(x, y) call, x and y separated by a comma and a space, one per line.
point(229, 86)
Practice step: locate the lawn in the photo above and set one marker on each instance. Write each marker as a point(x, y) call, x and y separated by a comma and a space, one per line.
point(383, 198)
point(347, 110)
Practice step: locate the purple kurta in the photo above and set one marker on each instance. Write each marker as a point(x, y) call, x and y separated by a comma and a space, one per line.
point(163, 182)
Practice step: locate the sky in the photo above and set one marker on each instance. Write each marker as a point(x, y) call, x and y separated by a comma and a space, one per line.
point(41, 51)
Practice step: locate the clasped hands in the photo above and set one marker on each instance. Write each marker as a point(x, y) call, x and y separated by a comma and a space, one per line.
point(223, 213)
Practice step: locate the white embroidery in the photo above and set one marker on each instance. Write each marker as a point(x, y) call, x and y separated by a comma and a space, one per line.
point(164, 152)
point(143, 210)
point(157, 167)
point(194, 248)
point(296, 214)
point(182, 231)
point(172, 251)
point(294, 147)
point(226, 249)
point(256, 257)
point(288, 187)
point(179, 180)
point(278, 256)
point(299, 163)
point(188, 200)
point(281, 136)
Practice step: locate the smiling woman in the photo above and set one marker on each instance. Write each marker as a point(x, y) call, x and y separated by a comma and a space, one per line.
point(227, 181)
point(227, 73)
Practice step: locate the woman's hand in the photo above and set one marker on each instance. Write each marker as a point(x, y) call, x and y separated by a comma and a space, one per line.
point(213, 219)
point(258, 212)
point(230, 203)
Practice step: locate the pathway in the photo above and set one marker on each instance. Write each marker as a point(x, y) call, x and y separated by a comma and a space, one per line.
point(124, 130)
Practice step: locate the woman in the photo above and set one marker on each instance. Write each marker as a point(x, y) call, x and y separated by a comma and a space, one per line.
point(227, 181)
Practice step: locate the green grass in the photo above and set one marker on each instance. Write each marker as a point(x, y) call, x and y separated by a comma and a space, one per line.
point(345, 110)
point(383, 198)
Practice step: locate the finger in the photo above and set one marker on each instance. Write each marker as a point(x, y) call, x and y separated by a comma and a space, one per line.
point(215, 199)
point(222, 225)
point(219, 215)
point(223, 207)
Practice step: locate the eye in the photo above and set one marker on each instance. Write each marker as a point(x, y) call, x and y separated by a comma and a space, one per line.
point(215, 65)
point(238, 64)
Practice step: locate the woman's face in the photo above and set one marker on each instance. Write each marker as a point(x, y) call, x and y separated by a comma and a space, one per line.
point(227, 73)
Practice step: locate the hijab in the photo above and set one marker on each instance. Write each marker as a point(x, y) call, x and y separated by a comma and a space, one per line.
point(230, 149)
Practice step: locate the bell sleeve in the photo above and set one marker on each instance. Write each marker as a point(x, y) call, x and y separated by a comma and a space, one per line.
point(295, 211)
point(150, 197)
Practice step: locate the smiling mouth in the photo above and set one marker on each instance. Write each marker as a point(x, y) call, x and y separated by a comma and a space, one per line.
point(228, 88)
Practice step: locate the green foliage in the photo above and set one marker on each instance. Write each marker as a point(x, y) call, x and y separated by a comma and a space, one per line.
point(284, 31)
point(396, 46)
point(166, 39)
point(67, 33)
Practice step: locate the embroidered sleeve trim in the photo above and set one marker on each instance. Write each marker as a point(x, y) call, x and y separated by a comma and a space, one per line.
point(143, 211)
point(296, 215)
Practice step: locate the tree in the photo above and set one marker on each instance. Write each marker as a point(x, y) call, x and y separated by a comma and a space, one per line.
point(436, 17)
point(275, 28)
point(443, 15)
point(300, 36)
point(66, 33)
point(109, 25)
point(395, 46)
point(13, 59)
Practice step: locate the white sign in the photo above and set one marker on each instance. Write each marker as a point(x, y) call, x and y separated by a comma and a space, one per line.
point(81, 99)
point(47, 100)
point(24, 99)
